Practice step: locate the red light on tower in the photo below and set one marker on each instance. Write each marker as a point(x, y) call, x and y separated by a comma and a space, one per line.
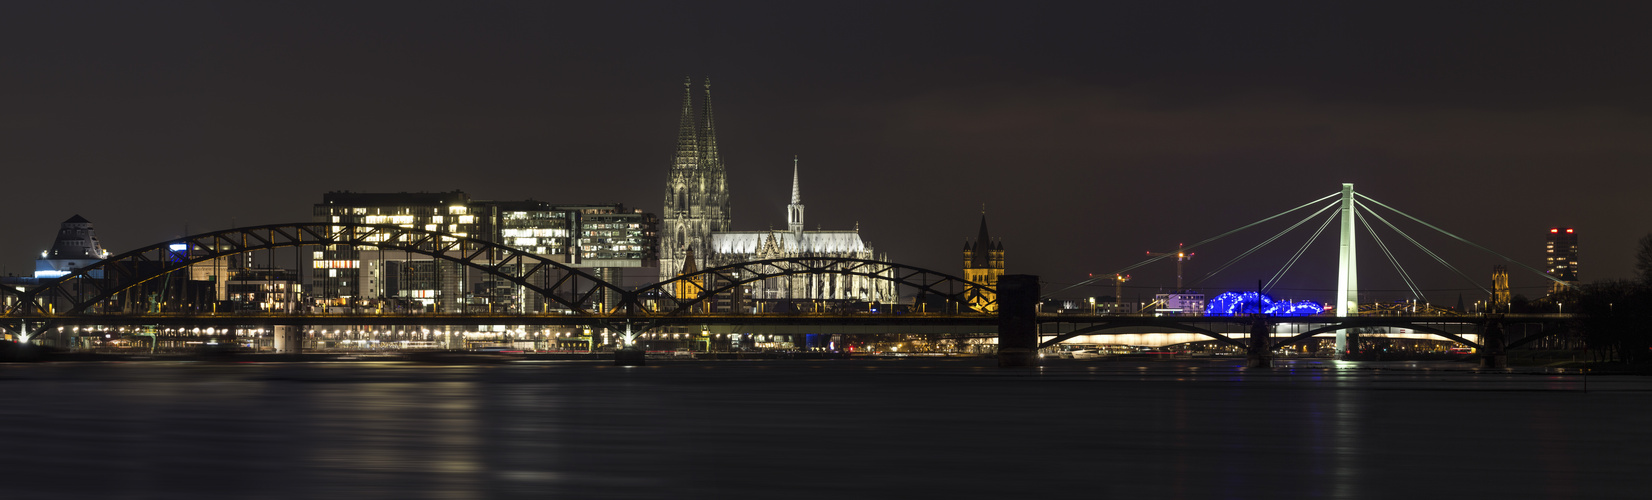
point(1568, 230)
point(1554, 230)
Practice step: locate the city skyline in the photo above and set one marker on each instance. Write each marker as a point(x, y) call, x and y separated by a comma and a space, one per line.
point(145, 119)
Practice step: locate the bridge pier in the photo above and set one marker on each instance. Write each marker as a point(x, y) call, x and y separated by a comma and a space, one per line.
point(1259, 353)
point(287, 339)
point(1494, 343)
point(629, 354)
point(1017, 320)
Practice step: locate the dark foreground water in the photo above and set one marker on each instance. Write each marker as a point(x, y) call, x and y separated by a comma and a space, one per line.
point(829, 429)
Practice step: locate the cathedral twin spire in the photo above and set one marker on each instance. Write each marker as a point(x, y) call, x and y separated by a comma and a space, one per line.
point(696, 196)
point(696, 142)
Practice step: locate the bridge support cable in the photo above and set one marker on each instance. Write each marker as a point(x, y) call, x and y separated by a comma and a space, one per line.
point(1259, 246)
point(1391, 260)
point(1425, 250)
point(1190, 247)
point(1470, 243)
point(1292, 262)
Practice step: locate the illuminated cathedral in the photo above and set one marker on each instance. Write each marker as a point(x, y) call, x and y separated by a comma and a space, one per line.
point(696, 190)
point(729, 247)
point(695, 225)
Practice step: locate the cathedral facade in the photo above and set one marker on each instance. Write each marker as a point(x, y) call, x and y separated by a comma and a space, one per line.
point(696, 190)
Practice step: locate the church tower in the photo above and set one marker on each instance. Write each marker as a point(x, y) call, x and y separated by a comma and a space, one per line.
point(984, 263)
point(696, 189)
point(794, 211)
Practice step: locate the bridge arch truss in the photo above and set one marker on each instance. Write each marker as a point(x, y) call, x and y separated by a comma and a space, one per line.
point(91, 290)
point(724, 284)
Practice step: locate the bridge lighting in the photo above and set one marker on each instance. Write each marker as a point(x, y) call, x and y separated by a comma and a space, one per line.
point(1237, 303)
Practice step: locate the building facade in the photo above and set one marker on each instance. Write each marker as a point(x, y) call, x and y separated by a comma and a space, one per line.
point(696, 189)
point(984, 263)
point(604, 238)
point(76, 247)
point(1500, 295)
point(345, 277)
point(1561, 253)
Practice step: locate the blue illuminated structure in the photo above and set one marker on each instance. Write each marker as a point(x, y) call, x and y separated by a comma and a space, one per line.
point(1238, 303)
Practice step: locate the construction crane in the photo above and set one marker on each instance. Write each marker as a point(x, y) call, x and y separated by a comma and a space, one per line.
point(1181, 256)
point(1118, 291)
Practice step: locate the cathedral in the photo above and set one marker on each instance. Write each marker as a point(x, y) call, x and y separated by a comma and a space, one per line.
point(744, 246)
point(695, 225)
point(696, 191)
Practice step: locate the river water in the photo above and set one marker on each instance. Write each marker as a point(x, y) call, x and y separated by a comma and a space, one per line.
point(912, 428)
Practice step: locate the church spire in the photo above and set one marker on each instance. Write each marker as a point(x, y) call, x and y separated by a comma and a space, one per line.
point(797, 195)
point(794, 211)
point(714, 175)
point(688, 147)
point(710, 160)
point(982, 257)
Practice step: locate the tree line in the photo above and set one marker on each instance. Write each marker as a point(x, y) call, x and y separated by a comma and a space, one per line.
point(1615, 316)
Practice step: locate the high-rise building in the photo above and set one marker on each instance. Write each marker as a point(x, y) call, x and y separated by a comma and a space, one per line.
point(696, 189)
point(344, 276)
point(984, 263)
point(603, 237)
point(1562, 257)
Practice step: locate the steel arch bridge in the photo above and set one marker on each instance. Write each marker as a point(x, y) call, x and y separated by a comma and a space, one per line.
point(89, 290)
point(727, 281)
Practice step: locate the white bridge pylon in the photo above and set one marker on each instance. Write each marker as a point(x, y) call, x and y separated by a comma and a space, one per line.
point(1347, 272)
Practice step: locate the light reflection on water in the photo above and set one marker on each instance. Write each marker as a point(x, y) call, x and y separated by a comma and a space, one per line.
point(827, 429)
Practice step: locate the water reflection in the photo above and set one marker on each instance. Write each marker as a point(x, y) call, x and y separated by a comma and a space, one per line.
point(917, 428)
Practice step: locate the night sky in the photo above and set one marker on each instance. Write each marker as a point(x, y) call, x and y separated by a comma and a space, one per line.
point(1091, 135)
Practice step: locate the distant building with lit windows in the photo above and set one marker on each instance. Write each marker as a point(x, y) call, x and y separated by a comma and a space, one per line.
point(1180, 304)
point(1561, 254)
point(601, 237)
